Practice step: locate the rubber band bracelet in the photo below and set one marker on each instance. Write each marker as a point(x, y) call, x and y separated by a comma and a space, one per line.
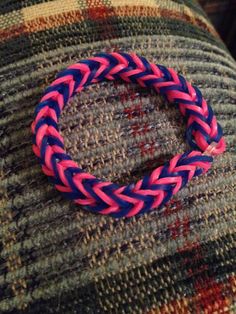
point(203, 134)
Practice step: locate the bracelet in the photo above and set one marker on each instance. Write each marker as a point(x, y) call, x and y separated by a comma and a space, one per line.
point(203, 134)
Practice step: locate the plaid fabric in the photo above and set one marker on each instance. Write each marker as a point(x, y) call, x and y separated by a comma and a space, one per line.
point(57, 258)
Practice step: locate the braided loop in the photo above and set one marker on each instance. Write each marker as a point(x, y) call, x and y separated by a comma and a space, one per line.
point(151, 191)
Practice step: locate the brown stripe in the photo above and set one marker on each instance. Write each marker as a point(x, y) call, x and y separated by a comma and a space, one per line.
point(42, 23)
point(68, 18)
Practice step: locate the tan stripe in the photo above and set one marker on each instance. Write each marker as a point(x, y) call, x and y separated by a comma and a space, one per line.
point(61, 17)
point(132, 3)
point(61, 6)
point(10, 19)
point(49, 9)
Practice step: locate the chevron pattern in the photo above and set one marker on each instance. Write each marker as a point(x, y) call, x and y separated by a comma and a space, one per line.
point(152, 191)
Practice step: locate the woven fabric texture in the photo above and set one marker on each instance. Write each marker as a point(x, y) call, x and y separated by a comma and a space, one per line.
point(54, 256)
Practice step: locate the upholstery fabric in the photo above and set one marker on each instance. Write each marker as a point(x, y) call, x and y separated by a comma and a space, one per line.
point(54, 256)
